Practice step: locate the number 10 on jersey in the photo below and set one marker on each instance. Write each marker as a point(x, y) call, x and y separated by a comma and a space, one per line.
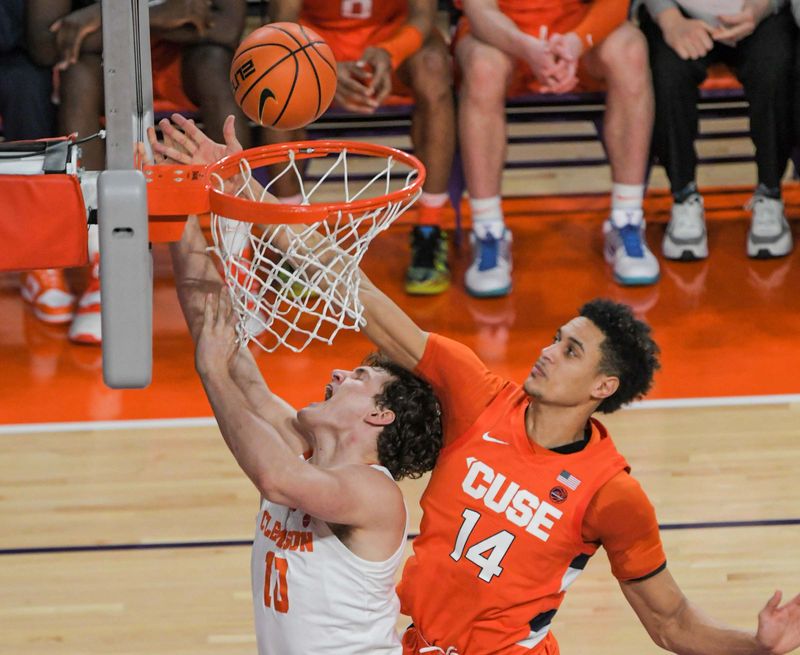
point(276, 593)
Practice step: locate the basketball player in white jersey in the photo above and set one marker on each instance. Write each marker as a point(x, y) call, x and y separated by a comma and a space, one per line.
point(332, 523)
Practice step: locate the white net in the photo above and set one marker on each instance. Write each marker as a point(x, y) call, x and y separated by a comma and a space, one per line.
point(292, 284)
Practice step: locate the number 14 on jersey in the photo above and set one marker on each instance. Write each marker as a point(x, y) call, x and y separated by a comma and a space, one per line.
point(496, 546)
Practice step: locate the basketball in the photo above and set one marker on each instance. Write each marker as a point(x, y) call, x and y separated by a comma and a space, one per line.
point(283, 76)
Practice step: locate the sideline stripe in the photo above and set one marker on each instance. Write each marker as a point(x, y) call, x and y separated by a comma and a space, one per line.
point(208, 421)
point(411, 536)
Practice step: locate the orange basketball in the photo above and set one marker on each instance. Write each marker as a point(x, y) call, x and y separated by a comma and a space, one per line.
point(283, 76)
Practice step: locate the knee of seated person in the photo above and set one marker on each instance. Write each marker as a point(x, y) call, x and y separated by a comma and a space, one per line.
point(431, 73)
point(481, 76)
point(625, 49)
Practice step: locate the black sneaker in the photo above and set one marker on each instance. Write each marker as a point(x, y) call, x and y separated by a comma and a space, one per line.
point(428, 273)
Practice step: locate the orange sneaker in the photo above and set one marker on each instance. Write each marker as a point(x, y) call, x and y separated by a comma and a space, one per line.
point(85, 326)
point(47, 292)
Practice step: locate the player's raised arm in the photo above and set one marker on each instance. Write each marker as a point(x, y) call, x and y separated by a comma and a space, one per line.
point(678, 626)
point(353, 495)
point(196, 275)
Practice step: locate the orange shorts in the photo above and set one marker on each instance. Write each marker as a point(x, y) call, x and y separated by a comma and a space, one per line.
point(413, 643)
point(168, 92)
point(350, 45)
point(541, 24)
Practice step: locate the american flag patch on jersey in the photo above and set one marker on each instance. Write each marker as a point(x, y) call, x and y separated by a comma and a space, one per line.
point(565, 477)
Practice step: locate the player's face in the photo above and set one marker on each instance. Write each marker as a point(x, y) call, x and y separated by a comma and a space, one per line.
point(567, 371)
point(349, 398)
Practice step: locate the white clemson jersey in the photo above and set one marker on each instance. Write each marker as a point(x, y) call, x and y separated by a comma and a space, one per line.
point(312, 595)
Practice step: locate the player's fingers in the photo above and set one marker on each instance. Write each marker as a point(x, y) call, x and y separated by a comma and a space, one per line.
point(774, 601)
point(352, 86)
point(229, 134)
point(167, 129)
point(172, 154)
point(190, 136)
point(152, 137)
point(144, 159)
point(189, 128)
point(733, 19)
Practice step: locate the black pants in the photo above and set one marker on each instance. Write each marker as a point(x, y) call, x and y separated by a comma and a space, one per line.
point(763, 64)
point(25, 98)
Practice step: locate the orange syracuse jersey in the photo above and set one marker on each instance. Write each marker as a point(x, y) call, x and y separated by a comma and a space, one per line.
point(501, 533)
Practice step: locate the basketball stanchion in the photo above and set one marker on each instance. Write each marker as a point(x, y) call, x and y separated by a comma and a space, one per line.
point(292, 270)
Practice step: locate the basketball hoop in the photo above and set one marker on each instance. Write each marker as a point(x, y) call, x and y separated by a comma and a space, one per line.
point(293, 269)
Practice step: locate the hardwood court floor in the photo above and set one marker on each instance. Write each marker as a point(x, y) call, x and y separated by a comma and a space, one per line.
point(135, 541)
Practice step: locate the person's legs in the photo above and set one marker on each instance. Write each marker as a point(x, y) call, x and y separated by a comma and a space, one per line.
point(763, 62)
point(485, 73)
point(81, 107)
point(81, 94)
point(676, 83)
point(621, 62)
point(204, 71)
point(429, 75)
point(25, 103)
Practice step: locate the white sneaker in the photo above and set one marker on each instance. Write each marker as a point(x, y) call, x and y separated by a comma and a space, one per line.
point(86, 326)
point(47, 292)
point(626, 249)
point(489, 275)
point(769, 235)
point(685, 237)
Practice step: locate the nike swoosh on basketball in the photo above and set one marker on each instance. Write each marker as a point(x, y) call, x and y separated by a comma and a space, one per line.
point(488, 437)
point(266, 94)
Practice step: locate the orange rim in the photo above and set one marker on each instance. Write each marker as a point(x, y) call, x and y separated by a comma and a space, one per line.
point(243, 209)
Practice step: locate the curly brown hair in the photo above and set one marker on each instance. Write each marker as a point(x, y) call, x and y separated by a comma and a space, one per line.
point(628, 351)
point(410, 445)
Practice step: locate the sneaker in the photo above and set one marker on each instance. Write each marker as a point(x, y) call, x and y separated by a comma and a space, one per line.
point(626, 249)
point(489, 275)
point(685, 237)
point(86, 326)
point(47, 292)
point(769, 235)
point(428, 273)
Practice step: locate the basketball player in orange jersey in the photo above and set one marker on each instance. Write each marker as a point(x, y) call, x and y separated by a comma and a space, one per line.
point(388, 47)
point(515, 46)
point(529, 485)
point(332, 526)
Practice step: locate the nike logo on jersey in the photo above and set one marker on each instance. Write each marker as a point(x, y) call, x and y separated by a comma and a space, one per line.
point(491, 439)
point(503, 496)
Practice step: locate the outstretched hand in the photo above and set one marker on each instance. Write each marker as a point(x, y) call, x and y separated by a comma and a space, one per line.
point(779, 627)
point(185, 143)
point(217, 345)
